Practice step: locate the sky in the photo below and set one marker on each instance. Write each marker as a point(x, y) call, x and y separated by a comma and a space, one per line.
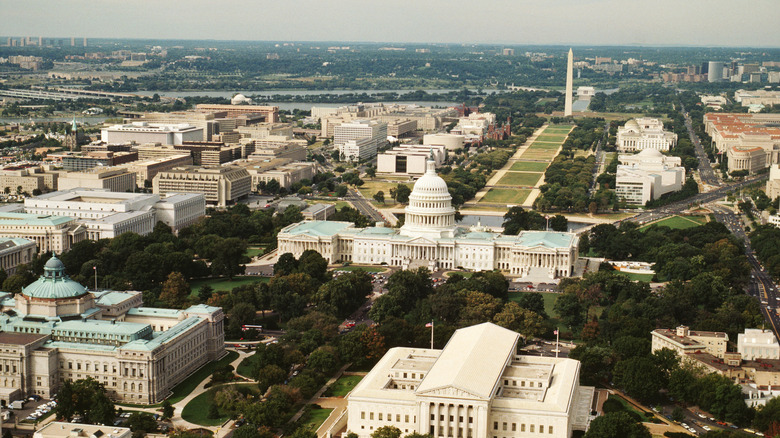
point(725, 23)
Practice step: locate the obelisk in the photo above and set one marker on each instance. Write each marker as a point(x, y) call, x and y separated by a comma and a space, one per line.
point(569, 79)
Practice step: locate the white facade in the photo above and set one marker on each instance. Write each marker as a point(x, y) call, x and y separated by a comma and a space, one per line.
point(758, 344)
point(409, 159)
point(648, 175)
point(773, 184)
point(682, 341)
point(359, 149)
point(108, 214)
point(356, 130)
point(644, 133)
point(450, 141)
point(475, 124)
point(144, 132)
point(476, 387)
point(57, 429)
point(430, 238)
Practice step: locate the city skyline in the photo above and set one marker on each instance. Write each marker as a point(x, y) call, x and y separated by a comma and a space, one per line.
point(555, 22)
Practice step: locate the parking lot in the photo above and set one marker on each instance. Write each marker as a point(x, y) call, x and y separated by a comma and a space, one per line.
point(34, 409)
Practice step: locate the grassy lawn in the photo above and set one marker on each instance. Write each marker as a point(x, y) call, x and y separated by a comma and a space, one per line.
point(528, 166)
point(343, 385)
point(184, 388)
point(545, 145)
point(369, 269)
point(370, 187)
point(626, 405)
point(560, 129)
point(559, 138)
point(636, 277)
point(224, 284)
point(462, 273)
point(540, 154)
point(254, 251)
point(678, 222)
point(313, 419)
point(528, 179)
point(197, 410)
point(549, 300)
point(505, 196)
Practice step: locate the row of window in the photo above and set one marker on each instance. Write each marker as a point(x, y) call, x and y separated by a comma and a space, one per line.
point(531, 427)
point(522, 383)
point(389, 417)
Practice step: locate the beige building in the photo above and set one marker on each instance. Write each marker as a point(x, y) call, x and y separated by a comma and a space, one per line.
point(476, 387)
point(683, 341)
point(50, 233)
point(276, 148)
point(773, 184)
point(271, 113)
point(758, 344)
point(262, 131)
point(409, 159)
point(146, 170)
point(57, 429)
point(15, 252)
point(220, 185)
point(145, 132)
point(115, 179)
point(750, 159)
point(28, 178)
point(286, 173)
point(738, 135)
point(137, 353)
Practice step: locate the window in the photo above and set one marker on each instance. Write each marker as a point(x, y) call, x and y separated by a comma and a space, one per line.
point(398, 418)
point(433, 417)
point(549, 430)
point(522, 427)
point(541, 428)
point(495, 425)
point(380, 416)
point(503, 426)
point(362, 415)
point(406, 418)
point(532, 428)
point(514, 427)
point(370, 415)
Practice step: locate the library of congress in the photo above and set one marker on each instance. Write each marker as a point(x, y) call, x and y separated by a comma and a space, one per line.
point(430, 238)
point(56, 330)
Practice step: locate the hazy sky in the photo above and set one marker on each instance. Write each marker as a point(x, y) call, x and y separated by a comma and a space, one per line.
point(574, 22)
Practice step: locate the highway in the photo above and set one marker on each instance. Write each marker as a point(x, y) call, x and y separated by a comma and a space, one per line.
point(364, 206)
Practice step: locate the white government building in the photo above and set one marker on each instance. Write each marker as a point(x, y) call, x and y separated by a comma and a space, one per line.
point(430, 238)
point(648, 175)
point(108, 214)
point(478, 386)
point(644, 133)
point(56, 330)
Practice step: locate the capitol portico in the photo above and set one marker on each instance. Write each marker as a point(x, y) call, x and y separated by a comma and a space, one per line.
point(431, 238)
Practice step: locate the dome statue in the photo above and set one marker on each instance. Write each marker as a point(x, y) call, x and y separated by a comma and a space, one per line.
point(54, 283)
point(430, 212)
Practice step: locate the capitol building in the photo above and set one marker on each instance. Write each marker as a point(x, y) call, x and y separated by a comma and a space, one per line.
point(430, 238)
point(55, 330)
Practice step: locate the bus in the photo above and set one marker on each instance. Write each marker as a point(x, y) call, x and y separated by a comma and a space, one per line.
point(247, 327)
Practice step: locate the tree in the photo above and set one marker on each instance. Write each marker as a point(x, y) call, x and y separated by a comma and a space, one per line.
point(616, 425)
point(559, 223)
point(533, 301)
point(270, 375)
point(515, 318)
point(379, 197)
point(479, 307)
point(341, 190)
point(142, 422)
point(400, 193)
point(167, 409)
point(175, 291)
point(639, 377)
point(344, 294)
point(205, 292)
point(387, 432)
point(371, 171)
point(87, 398)
point(517, 219)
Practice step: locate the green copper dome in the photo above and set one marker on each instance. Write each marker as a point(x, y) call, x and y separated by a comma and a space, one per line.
point(54, 283)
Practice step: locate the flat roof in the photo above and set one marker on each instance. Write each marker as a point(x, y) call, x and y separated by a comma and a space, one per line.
point(19, 338)
point(7, 218)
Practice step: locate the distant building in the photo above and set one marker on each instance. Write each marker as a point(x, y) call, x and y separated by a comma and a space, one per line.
point(146, 170)
point(586, 93)
point(648, 175)
point(222, 186)
point(409, 159)
point(452, 142)
point(758, 344)
point(271, 113)
point(318, 212)
point(683, 340)
point(715, 71)
point(757, 97)
point(286, 173)
point(739, 134)
point(475, 124)
point(364, 137)
point(508, 52)
point(28, 178)
point(144, 132)
point(88, 160)
point(773, 184)
point(747, 158)
point(644, 133)
point(477, 386)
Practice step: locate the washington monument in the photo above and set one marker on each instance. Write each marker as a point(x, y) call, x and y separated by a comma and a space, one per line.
point(569, 78)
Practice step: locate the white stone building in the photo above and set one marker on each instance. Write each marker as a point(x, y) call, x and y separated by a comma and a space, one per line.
point(57, 429)
point(348, 137)
point(108, 214)
point(648, 175)
point(144, 132)
point(15, 252)
point(431, 238)
point(476, 387)
point(56, 330)
point(220, 185)
point(409, 159)
point(644, 133)
point(360, 149)
point(758, 344)
point(683, 341)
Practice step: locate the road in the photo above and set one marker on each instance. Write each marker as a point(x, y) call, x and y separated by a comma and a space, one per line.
point(706, 173)
point(364, 206)
point(701, 198)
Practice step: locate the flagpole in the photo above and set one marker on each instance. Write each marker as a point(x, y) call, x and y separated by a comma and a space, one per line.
point(431, 334)
point(557, 347)
point(95, 268)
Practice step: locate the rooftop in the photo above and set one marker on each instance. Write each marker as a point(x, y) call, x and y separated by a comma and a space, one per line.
point(11, 338)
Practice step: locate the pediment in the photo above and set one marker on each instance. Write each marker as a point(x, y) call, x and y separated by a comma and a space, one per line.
point(421, 240)
point(450, 391)
point(538, 248)
point(306, 236)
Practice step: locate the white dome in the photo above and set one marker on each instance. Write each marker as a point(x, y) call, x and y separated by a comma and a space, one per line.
point(430, 212)
point(632, 125)
point(239, 98)
point(430, 184)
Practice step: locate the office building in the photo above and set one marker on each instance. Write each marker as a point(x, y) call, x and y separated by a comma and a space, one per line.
point(715, 71)
point(50, 233)
point(773, 184)
point(751, 159)
point(644, 133)
point(318, 212)
point(115, 179)
point(56, 330)
point(108, 214)
point(270, 113)
point(475, 125)
point(221, 186)
point(87, 160)
point(145, 132)
point(284, 171)
point(431, 238)
point(648, 175)
point(374, 131)
point(683, 341)
point(409, 159)
point(477, 386)
point(29, 179)
point(451, 142)
point(146, 170)
point(745, 132)
point(757, 97)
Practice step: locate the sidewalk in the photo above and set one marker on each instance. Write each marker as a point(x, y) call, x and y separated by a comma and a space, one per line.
point(318, 394)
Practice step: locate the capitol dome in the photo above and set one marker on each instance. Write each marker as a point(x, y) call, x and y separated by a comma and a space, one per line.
point(430, 212)
point(54, 283)
point(238, 99)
